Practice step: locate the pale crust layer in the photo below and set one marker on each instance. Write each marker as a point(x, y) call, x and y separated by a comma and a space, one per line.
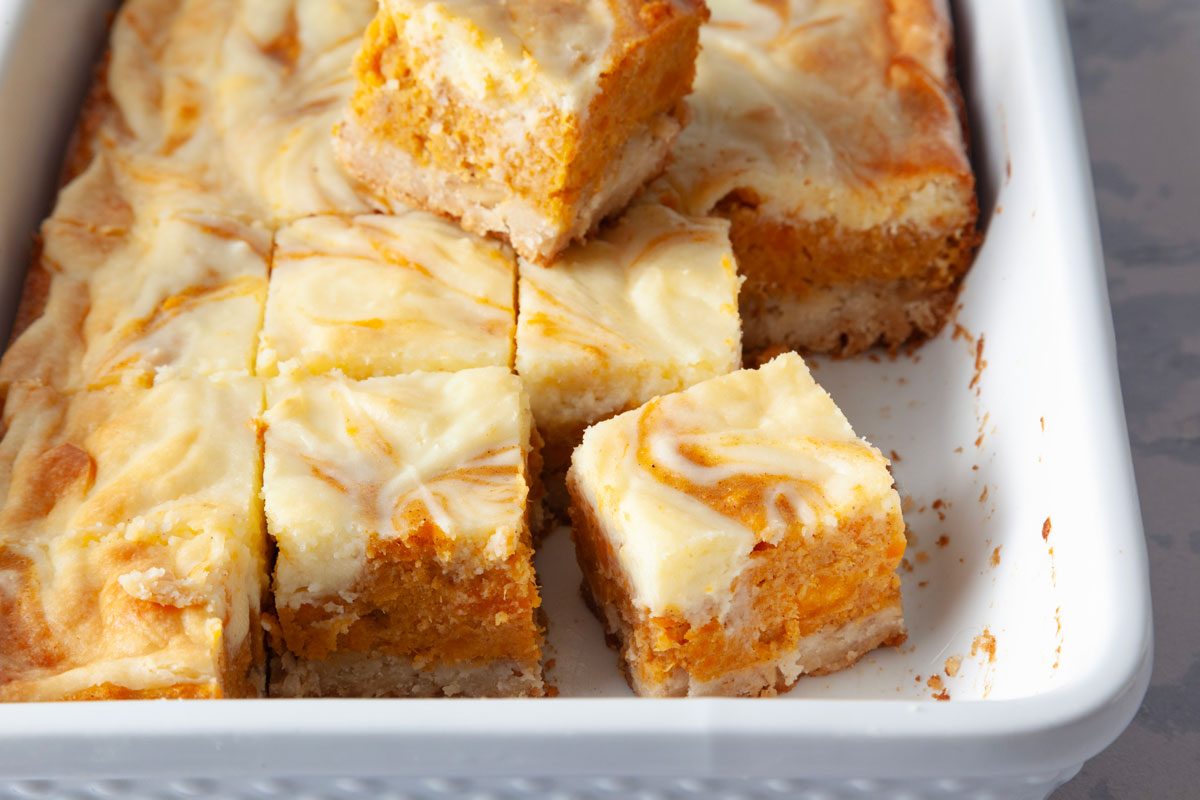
point(845, 319)
point(363, 675)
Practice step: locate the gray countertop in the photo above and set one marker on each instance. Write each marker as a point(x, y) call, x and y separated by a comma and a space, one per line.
point(1139, 73)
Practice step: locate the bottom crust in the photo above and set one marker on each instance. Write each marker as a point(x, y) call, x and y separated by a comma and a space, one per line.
point(845, 319)
point(361, 675)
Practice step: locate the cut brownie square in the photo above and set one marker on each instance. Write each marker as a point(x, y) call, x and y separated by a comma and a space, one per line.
point(132, 554)
point(399, 506)
point(137, 301)
point(385, 295)
point(737, 535)
point(646, 308)
point(830, 133)
point(532, 119)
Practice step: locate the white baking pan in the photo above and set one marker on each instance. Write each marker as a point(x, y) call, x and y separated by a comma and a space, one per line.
point(1039, 427)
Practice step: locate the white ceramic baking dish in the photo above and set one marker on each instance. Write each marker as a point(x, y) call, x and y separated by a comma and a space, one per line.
point(1036, 434)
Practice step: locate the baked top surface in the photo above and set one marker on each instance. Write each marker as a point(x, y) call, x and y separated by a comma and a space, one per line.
point(687, 485)
point(179, 295)
point(284, 82)
point(817, 108)
point(549, 49)
point(381, 295)
point(185, 297)
point(657, 290)
point(153, 112)
point(388, 458)
point(131, 548)
point(161, 73)
point(227, 106)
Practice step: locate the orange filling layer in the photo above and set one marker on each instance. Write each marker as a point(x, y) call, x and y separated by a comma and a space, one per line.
point(410, 602)
point(798, 257)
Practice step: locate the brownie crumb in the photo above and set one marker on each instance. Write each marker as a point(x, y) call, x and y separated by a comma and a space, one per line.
point(980, 364)
point(984, 643)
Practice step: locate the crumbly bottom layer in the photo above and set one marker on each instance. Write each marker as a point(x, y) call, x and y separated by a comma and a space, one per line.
point(485, 208)
point(845, 319)
point(351, 674)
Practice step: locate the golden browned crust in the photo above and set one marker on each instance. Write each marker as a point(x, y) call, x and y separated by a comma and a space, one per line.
point(43, 354)
point(98, 111)
point(241, 676)
point(34, 294)
point(95, 598)
point(792, 590)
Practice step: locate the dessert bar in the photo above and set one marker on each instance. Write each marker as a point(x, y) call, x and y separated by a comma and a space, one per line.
point(830, 133)
point(400, 510)
point(737, 535)
point(132, 554)
point(532, 119)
